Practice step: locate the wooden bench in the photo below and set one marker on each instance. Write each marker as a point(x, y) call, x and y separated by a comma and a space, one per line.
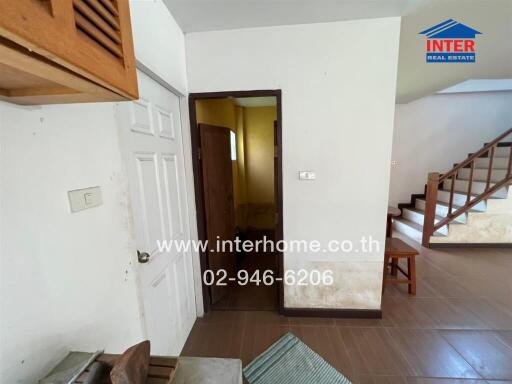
point(161, 369)
point(396, 249)
point(138, 367)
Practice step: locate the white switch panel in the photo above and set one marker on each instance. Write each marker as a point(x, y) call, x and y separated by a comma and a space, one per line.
point(307, 175)
point(81, 199)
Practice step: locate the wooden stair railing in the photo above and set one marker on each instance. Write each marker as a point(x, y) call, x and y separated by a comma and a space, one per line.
point(435, 179)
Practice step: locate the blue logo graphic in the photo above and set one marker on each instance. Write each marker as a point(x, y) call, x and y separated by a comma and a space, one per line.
point(450, 42)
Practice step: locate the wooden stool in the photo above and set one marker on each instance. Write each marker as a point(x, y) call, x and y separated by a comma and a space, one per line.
point(396, 249)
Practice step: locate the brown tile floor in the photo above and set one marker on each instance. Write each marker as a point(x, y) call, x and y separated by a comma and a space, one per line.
point(458, 328)
point(252, 297)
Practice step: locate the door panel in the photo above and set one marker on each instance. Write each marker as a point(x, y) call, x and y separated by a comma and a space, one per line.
point(165, 123)
point(159, 332)
point(152, 145)
point(141, 117)
point(218, 199)
point(150, 201)
point(172, 195)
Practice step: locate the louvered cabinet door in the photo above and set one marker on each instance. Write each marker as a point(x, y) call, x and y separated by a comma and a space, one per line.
point(91, 38)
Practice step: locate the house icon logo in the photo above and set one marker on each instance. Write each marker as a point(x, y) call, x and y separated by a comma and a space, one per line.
point(450, 42)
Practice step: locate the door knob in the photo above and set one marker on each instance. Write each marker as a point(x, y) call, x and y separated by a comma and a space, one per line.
point(143, 257)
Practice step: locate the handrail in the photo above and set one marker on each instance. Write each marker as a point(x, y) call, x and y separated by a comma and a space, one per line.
point(475, 155)
point(435, 179)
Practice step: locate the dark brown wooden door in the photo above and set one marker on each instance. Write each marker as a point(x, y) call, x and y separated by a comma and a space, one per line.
point(276, 174)
point(218, 201)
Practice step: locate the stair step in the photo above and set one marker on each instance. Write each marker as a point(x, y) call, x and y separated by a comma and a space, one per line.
point(410, 228)
point(480, 174)
point(502, 152)
point(417, 216)
point(442, 209)
point(476, 188)
point(498, 163)
point(459, 199)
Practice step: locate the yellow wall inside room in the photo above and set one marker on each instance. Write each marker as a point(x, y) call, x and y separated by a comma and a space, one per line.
point(253, 171)
point(221, 112)
point(259, 153)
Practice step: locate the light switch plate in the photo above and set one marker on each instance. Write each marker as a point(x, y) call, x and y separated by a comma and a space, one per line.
point(307, 175)
point(80, 199)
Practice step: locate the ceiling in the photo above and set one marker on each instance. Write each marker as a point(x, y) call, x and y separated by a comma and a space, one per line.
point(416, 78)
point(210, 15)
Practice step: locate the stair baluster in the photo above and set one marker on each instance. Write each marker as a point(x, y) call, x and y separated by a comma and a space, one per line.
point(509, 168)
point(452, 191)
point(470, 182)
point(489, 170)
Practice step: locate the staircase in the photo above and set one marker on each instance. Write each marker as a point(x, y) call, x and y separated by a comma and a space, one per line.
point(464, 196)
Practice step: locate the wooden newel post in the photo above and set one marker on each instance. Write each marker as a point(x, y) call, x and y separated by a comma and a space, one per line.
point(430, 208)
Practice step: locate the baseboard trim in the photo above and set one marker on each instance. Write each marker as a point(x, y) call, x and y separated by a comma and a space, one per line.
point(334, 313)
point(470, 245)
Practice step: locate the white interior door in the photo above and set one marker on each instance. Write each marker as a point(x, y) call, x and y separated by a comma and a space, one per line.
point(153, 149)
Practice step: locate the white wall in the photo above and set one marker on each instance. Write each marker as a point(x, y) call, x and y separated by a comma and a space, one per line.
point(433, 133)
point(338, 82)
point(67, 281)
point(159, 41)
point(66, 278)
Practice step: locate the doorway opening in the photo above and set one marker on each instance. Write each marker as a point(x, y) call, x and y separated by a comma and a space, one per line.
point(236, 145)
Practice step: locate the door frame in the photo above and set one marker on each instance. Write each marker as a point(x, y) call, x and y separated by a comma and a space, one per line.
point(199, 187)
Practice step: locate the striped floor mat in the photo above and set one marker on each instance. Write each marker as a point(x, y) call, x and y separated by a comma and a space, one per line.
point(290, 361)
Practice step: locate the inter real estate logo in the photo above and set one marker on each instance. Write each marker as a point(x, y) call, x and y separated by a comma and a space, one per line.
point(450, 42)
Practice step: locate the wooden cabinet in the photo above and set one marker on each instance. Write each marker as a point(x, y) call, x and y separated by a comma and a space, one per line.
point(61, 51)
